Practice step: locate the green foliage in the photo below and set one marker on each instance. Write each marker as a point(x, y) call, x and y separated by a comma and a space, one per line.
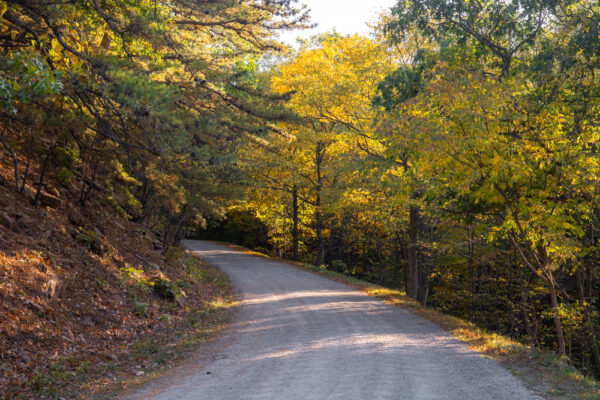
point(240, 227)
point(144, 348)
point(86, 237)
point(48, 381)
point(339, 266)
point(140, 308)
point(457, 154)
point(26, 78)
point(145, 112)
point(137, 277)
point(167, 289)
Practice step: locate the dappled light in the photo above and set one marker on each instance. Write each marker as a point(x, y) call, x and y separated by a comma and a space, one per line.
point(297, 335)
point(439, 156)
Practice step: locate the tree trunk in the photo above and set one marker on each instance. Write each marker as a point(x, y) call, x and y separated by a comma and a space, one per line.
point(27, 164)
point(380, 263)
point(38, 193)
point(171, 236)
point(295, 235)
point(546, 275)
point(524, 310)
point(588, 320)
point(560, 337)
point(412, 289)
point(396, 258)
point(471, 273)
point(15, 162)
point(321, 243)
point(319, 214)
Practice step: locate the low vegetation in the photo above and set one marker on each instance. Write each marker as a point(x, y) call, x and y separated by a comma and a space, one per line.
point(90, 309)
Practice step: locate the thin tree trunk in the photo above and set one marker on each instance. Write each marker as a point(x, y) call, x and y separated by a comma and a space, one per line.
point(38, 193)
point(396, 258)
point(27, 165)
point(524, 313)
point(560, 337)
point(588, 320)
point(171, 238)
point(546, 274)
point(471, 272)
point(380, 263)
point(412, 289)
point(319, 215)
point(15, 162)
point(295, 234)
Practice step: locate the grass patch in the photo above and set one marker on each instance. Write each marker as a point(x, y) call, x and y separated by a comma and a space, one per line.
point(543, 372)
point(47, 382)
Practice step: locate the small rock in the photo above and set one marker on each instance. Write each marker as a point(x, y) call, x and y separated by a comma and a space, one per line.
point(6, 221)
point(23, 222)
point(139, 373)
point(53, 191)
point(98, 245)
point(29, 194)
point(76, 219)
point(180, 300)
point(50, 201)
point(52, 288)
point(154, 265)
point(118, 225)
point(87, 321)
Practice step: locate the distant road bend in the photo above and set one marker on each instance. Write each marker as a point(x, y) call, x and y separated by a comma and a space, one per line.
point(300, 336)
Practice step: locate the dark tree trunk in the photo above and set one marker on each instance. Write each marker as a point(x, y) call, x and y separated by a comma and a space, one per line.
point(379, 263)
point(413, 284)
point(396, 257)
point(592, 338)
point(471, 272)
point(321, 243)
point(38, 193)
point(319, 214)
point(541, 264)
point(15, 162)
point(560, 337)
point(27, 164)
point(172, 235)
point(295, 235)
point(524, 310)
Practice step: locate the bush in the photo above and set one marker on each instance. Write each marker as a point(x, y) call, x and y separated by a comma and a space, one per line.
point(165, 288)
point(339, 266)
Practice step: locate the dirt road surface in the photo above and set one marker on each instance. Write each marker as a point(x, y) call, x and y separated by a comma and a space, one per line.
point(300, 336)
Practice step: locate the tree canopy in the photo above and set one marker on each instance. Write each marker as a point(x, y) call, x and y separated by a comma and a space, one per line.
point(453, 154)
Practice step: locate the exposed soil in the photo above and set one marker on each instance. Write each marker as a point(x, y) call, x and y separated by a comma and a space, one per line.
point(82, 290)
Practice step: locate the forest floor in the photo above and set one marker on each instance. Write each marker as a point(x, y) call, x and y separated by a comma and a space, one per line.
point(541, 370)
point(88, 306)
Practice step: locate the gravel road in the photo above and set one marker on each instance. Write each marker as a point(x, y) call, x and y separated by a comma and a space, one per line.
point(300, 336)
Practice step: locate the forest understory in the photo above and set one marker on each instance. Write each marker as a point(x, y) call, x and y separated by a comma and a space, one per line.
point(88, 305)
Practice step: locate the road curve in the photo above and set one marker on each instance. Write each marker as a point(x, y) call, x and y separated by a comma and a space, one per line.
point(300, 336)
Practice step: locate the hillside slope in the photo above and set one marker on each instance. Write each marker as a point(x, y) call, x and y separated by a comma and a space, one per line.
point(82, 290)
